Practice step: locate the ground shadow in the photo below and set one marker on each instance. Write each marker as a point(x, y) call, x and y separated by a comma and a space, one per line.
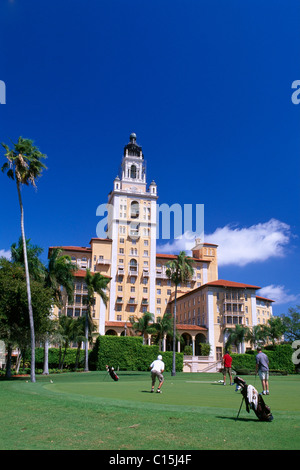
point(238, 419)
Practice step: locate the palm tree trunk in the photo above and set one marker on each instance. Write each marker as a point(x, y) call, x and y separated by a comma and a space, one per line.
point(174, 335)
point(77, 355)
point(8, 361)
point(86, 367)
point(46, 357)
point(31, 322)
point(64, 355)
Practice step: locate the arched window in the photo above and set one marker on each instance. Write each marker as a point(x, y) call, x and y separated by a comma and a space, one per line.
point(133, 267)
point(134, 210)
point(133, 172)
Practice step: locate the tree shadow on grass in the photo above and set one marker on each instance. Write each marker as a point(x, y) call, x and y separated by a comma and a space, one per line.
point(238, 419)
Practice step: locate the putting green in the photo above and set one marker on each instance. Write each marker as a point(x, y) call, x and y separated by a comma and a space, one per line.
point(181, 391)
point(91, 411)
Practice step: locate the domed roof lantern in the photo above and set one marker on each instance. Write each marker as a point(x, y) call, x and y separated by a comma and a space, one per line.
point(132, 137)
point(132, 148)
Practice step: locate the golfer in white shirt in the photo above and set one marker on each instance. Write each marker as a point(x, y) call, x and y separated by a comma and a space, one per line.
point(157, 369)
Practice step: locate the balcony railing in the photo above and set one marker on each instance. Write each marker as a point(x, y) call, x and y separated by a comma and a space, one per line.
point(103, 261)
point(231, 319)
point(133, 271)
point(134, 233)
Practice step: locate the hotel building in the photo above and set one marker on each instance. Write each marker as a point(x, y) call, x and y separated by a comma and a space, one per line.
point(138, 280)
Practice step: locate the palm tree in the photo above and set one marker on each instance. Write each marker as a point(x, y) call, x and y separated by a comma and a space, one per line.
point(144, 325)
point(66, 329)
point(179, 271)
point(237, 335)
point(163, 326)
point(275, 329)
point(24, 165)
point(96, 283)
point(256, 335)
point(59, 273)
point(35, 266)
point(79, 337)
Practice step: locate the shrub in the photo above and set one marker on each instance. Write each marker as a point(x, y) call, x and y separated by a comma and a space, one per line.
point(205, 349)
point(128, 353)
point(280, 360)
point(188, 350)
point(54, 358)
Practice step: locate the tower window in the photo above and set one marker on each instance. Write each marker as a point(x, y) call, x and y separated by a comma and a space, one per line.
point(133, 171)
point(134, 210)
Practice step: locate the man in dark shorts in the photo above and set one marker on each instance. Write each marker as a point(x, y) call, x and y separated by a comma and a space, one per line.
point(227, 361)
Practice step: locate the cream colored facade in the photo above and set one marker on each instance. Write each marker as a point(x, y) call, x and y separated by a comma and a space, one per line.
point(219, 305)
point(138, 280)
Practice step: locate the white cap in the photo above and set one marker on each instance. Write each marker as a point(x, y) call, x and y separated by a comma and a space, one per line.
point(159, 357)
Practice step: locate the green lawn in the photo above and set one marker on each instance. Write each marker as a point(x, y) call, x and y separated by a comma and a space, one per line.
point(90, 411)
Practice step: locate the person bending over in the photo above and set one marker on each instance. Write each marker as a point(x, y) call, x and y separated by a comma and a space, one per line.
point(157, 369)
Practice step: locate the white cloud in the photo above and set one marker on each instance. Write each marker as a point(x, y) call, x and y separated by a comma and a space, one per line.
point(185, 243)
point(240, 246)
point(5, 254)
point(277, 293)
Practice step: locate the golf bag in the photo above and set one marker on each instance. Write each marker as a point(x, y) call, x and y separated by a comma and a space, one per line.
point(253, 400)
point(112, 373)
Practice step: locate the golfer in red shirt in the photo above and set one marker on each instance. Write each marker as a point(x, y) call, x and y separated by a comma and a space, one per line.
point(227, 361)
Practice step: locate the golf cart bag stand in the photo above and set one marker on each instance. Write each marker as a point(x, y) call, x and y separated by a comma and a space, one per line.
point(112, 373)
point(253, 400)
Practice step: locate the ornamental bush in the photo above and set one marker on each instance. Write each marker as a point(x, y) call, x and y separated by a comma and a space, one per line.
point(280, 359)
point(128, 353)
point(55, 356)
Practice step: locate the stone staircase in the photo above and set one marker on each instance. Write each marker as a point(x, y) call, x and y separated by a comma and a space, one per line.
point(200, 364)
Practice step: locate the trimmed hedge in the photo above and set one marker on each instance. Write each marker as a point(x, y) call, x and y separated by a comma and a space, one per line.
point(280, 359)
point(54, 356)
point(128, 353)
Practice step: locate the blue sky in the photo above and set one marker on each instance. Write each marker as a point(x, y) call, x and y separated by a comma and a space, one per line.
point(206, 86)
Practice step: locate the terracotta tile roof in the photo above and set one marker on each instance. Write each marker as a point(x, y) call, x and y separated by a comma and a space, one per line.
point(224, 283)
point(118, 323)
point(72, 248)
point(264, 298)
point(101, 240)
point(180, 326)
point(218, 283)
point(166, 256)
point(82, 273)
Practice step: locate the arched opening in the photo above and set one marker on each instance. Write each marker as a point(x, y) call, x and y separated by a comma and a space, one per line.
point(187, 341)
point(134, 209)
point(133, 267)
point(111, 333)
point(133, 172)
point(200, 339)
